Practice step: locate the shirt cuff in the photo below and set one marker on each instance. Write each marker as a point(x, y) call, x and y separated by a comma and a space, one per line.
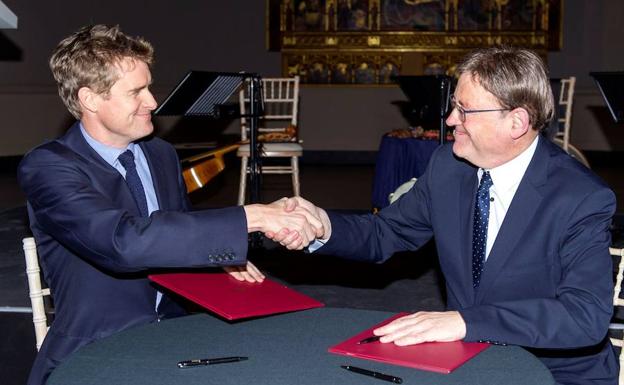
point(317, 244)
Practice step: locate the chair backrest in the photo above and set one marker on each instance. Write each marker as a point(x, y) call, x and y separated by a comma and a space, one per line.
point(617, 301)
point(36, 292)
point(280, 98)
point(564, 104)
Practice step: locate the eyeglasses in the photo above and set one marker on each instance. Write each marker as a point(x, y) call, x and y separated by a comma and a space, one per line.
point(463, 112)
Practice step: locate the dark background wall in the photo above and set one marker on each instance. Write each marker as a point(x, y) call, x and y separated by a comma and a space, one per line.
point(230, 36)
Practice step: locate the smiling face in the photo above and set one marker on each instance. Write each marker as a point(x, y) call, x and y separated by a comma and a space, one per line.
point(484, 138)
point(123, 115)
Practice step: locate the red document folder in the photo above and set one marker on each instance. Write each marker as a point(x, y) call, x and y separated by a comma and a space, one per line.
point(441, 357)
point(233, 299)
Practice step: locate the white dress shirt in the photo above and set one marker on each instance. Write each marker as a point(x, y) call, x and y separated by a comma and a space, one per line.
point(506, 179)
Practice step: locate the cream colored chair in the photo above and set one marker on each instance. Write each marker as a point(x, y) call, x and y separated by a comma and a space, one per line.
point(36, 292)
point(617, 301)
point(277, 130)
point(562, 137)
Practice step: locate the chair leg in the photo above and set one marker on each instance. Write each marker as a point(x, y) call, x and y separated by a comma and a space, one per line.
point(243, 181)
point(294, 162)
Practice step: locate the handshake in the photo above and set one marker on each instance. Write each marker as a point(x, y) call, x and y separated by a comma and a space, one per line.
point(293, 222)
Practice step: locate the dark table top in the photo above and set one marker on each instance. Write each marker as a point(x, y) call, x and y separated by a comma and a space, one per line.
point(282, 349)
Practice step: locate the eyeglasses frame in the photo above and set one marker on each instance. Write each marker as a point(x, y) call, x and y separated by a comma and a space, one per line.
point(463, 112)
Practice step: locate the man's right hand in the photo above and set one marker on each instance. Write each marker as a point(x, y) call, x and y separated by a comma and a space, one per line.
point(290, 239)
point(302, 225)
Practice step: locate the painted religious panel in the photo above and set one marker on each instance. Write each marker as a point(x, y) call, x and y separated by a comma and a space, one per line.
point(372, 41)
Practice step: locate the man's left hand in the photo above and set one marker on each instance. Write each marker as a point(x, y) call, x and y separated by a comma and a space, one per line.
point(422, 327)
point(248, 272)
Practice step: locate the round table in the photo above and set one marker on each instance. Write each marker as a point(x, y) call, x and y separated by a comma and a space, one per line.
point(282, 349)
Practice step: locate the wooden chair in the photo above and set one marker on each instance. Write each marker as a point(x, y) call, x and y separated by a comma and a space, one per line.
point(277, 130)
point(565, 102)
point(36, 292)
point(617, 328)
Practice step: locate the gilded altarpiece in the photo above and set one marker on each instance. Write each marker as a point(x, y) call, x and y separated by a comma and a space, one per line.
point(370, 41)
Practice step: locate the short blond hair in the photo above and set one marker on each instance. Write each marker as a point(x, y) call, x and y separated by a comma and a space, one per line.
point(88, 58)
point(517, 77)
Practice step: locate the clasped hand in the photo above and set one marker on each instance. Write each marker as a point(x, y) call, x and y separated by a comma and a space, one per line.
point(294, 239)
point(294, 222)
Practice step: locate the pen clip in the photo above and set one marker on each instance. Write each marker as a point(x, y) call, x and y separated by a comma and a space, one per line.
point(190, 363)
point(369, 340)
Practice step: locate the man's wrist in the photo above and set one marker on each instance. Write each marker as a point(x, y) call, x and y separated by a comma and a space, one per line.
point(255, 217)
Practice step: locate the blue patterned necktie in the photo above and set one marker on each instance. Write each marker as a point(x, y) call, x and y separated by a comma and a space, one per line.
point(480, 227)
point(133, 181)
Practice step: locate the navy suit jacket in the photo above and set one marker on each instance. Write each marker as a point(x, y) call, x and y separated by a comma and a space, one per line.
point(547, 284)
point(96, 250)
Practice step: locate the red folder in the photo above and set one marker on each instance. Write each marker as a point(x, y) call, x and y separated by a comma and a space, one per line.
point(441, 357)
point(233, 299)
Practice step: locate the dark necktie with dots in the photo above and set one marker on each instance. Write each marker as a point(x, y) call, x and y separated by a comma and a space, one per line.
point(480, 227)
point(133, 181)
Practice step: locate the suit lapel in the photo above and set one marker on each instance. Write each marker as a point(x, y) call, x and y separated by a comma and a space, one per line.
point(523, 207)
point(105, 177)
point(74, 140)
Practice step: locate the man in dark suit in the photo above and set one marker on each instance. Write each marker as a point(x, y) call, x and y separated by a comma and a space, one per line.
point(107, 202)
point(521, 228)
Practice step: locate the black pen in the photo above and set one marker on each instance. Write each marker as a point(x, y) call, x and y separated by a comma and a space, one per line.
point(210, 361)
point(381, 376)
point(369, 340)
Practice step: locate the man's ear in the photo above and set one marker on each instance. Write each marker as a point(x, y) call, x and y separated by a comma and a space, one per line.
point(88, 99)
point(520, 123)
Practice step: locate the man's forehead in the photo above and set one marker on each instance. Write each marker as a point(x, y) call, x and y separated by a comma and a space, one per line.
point(133, 70)
point(128, 64)
point(469, 88)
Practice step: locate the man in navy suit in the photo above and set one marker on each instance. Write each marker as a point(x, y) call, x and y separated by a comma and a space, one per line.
point(521, 228)
point(107, 202)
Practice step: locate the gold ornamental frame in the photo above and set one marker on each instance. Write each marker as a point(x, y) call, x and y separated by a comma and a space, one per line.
point(369, 41)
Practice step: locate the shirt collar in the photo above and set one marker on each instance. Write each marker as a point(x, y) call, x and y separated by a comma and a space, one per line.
point(108, 153)
point(508, 175)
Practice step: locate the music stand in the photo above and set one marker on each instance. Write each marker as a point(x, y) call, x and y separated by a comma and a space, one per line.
point(429, 98)
point(611, 86)
point(206, 94)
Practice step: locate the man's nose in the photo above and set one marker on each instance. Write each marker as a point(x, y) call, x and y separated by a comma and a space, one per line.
point(453, 118)
point(149, 102)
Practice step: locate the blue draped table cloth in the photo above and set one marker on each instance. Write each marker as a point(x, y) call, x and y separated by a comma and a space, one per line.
point(399, 160)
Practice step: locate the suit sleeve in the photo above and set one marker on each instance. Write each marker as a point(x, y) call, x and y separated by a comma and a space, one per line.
point(404, 225)
point(80, 217)
point(579, 312)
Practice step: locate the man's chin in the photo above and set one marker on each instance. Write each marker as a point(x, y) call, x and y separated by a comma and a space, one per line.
point(458, 148)
point(145, 130)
